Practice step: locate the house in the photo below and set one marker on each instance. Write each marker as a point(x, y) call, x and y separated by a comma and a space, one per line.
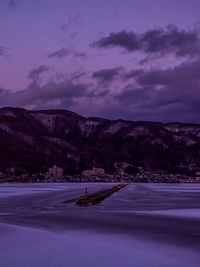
point(94, 172)
point(56, 172)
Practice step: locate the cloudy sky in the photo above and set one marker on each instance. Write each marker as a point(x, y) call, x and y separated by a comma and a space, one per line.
point(129, 59)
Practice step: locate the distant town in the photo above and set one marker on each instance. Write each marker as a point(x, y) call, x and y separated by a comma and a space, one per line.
point(124, 173)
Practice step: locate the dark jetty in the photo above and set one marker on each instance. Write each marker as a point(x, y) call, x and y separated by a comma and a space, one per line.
point(97, 197)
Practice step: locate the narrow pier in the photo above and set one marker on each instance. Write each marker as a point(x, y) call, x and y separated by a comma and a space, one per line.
point(97, 197)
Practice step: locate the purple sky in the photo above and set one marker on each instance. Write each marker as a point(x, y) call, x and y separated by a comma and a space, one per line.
point(129, 59)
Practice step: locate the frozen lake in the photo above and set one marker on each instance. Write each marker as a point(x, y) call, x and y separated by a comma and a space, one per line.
point(140, 225)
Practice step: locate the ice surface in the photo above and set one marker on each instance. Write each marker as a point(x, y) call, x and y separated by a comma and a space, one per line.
point(23, 247)
point(138, 226)
point(29, 188)
point(184, 213)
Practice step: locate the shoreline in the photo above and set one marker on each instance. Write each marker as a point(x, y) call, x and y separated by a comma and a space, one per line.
point(95, 182)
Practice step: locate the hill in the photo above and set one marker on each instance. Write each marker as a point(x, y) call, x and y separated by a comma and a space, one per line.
point(33, 141)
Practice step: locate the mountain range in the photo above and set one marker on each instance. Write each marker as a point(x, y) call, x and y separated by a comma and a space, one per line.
point(34, 140)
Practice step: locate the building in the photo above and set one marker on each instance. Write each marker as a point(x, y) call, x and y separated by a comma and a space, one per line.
point(93, 172)
point(56, 172)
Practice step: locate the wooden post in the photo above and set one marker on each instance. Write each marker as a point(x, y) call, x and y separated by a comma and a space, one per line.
point(86, 192)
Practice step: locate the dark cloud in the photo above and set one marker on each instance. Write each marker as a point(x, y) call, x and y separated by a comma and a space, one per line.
point(163, 41)
point(3, 52)
point(64, 52)
point(127, 40)
point(34, 74)
point(2, 90)
point(61, 53)
point(134, 94)
point(178, 85)
point(48, 94)
point(171, 40)
point(171, 94)
point(133, 74)
point(187, 72)
point(156, 93)
point(105, 76)
point(98, 94)
point(38, 96)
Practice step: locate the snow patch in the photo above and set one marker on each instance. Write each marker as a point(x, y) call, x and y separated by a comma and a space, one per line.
point(138, 131)
point(88, 126)
point(184, 129)
point(47, 120)
point(116, 127)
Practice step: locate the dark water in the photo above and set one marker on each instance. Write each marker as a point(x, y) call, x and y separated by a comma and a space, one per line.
point(140, 225)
